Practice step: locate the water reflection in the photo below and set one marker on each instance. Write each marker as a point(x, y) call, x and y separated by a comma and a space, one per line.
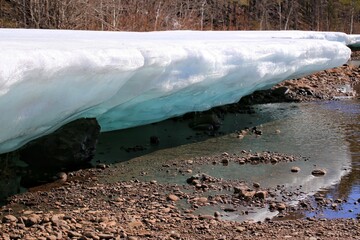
point(313, 130)
point(348, 189)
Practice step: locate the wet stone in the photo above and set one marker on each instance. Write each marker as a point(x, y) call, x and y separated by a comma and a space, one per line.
point(295, 169)
point(280, 206)
point(261, 194)
point(173, 197)
point(101, 166)
point(318, 172)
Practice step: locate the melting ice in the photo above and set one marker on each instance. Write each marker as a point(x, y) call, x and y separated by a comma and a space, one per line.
point(125, 79)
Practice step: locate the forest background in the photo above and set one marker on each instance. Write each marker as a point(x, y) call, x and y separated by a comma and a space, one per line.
point(156, 15)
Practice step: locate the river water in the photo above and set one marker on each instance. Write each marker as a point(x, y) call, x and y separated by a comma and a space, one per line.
point(325, 134)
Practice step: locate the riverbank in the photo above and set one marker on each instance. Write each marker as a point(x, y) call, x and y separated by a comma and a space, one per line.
point(102, 203)
point(88, 209)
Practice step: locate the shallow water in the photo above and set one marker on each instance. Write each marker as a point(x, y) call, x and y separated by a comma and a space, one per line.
point(325, 134)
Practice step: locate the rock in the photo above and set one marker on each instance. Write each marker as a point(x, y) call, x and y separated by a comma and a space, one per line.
point(91, 235)
point(105, 236)
point(318, 172)
point(319, 197)
point(32, 219)
point(101, 166)
point(240, 229)
point(295, 169)
point(61, 176)
point(248, 194)
point(55, 219)
point(261, 194)
point(258, 132)
point(154, 140)
point(225, 161)
point(9, 219)
point(280, 91)
point(217, 214)
point(244, 192)
point(191, 179)
point(132, 238)
point(229, 209)
point(71, 145)
point(166, 210)
point(241, 189)
point(225, 154)
point(74, 234)
point(256, 185)
point(190, 162)
point(274, 161)
point(280, 206)
point(175, 235)
point(173, 198)
point(205, 121)
point(202, 200)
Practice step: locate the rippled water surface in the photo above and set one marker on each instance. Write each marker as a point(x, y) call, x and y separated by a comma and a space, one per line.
point(326, 134)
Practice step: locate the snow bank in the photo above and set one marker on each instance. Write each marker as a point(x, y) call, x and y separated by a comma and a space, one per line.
point(49, 77)
point(354, 41)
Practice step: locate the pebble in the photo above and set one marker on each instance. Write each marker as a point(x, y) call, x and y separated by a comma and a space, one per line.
point(240, 229)
point(74, 234)
point(225, 161)
point(261, 194)
point(190, 162)
point(91, 235)
point(173, 197)
point(105, 236)
point(217, 214)
point(9, 218)
point(295, 169)
point(229, 209)
point(318, 172)
point(280, 206)
point(101, 166)
point(175, 235)
point(61, 176)
point(202, 200)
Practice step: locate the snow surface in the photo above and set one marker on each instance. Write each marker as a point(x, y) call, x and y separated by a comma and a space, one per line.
point(354, 40)
point(126, 79)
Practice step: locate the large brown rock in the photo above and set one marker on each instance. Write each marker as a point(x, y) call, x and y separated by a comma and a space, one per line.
point(71, 145)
